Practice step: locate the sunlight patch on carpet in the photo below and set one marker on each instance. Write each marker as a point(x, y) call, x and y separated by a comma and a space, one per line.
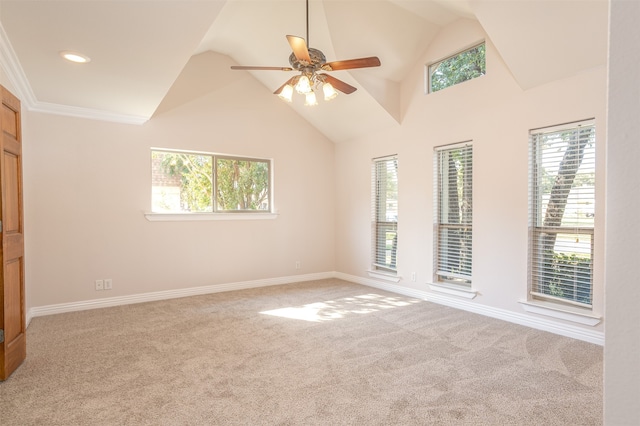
point(341, 308)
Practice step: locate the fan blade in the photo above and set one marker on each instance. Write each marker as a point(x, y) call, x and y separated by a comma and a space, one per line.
point(338, 84)
point(249, 68)
point(277, 92)
point(371, 61)
point(299, 47)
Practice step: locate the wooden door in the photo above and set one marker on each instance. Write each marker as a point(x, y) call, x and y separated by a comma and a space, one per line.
point(13, 348)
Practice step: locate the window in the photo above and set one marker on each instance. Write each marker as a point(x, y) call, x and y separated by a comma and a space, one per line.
point(453, 214)
point(385, 213)
point(561, 213)
point(458, 68)
point(184, 182)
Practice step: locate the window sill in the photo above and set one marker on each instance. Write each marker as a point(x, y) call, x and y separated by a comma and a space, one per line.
point(384, 276)
point(195, 217)
point(454, 290)
point(565, 313)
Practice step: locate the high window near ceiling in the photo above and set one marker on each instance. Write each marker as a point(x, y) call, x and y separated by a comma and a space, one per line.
point(384, 223)
point(453, 216)
point(561, 213)
point(188, 182)
point(457, 68)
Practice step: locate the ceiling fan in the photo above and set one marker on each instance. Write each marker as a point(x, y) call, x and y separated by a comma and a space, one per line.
point(310, 62)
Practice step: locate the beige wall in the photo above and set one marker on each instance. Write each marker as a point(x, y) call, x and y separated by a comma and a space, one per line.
point(87, 184)
point(497, 115)
point(622, 350)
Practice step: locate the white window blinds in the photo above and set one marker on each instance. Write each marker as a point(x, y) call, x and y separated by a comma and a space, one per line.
point(384, 229)
point(561, 213)
point(453, 216)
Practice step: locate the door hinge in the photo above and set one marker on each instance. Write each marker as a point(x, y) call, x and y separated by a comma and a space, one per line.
point(0, 226)
point(1, 335)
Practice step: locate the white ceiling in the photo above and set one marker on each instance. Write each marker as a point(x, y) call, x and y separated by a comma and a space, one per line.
point(140, 47)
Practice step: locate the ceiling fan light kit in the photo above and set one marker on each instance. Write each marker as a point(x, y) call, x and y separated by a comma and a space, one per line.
point(310, 99)
point(309, 62)
point(329, 91)
point(286, 94)
point(303, 86)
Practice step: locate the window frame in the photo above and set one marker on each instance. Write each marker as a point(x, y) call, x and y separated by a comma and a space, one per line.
point(432, 66)
point(383, 226)
point(439, 275)
point(216, 212)
point(537, 290)
point(215, 183)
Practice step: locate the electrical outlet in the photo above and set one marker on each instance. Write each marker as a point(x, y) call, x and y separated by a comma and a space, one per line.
point(413, 276)
point(99, 285)
point(297, 264)
point(108, 284)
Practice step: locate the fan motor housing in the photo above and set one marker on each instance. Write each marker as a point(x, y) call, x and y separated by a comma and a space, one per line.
point(317, 60)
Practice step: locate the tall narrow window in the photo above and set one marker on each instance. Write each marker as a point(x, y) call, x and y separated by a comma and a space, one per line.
point(453, 213)
point(385, 213)
point(561, 213)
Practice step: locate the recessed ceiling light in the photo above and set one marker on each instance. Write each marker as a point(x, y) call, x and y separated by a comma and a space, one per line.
point(75, 57)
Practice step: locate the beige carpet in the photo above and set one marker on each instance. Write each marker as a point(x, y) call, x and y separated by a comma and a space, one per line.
point(323, 352)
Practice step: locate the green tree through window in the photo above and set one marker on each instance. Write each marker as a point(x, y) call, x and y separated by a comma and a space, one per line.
point(186, 182)
point(464, 66)
point(562, 200)
point(242, 184)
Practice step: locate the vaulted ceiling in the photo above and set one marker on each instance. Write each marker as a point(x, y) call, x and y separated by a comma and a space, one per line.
point(140, 49)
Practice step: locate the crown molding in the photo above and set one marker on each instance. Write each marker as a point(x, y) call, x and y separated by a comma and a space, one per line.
point(91, 114)
point(18, 79)
point(12, 68)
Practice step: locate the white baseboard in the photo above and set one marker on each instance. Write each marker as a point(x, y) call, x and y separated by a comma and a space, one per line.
point(527, 320)
point(168, 294)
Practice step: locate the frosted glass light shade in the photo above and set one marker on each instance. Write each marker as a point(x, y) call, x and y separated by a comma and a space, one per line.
point(329, 91)
point(304, 86)
point(310, 99)
point(287, 93)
